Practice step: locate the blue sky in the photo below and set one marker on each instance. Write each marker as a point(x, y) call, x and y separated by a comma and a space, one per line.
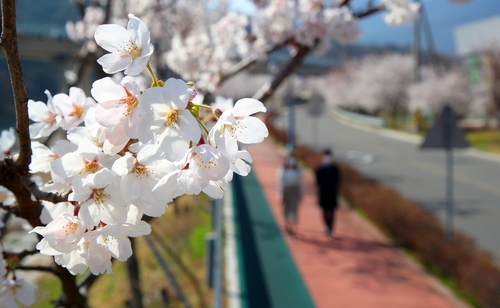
point(443, 17)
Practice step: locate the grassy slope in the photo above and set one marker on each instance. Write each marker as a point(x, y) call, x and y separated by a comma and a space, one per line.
point(485, 140)
point(183, 230)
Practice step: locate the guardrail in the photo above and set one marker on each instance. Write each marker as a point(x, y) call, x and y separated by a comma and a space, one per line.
point(358, 118)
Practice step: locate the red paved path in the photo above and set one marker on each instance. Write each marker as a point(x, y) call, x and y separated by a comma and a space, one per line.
point(360, 269)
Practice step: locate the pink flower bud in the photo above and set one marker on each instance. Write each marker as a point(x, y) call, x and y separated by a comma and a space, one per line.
point(192, 94)
point(217, 112)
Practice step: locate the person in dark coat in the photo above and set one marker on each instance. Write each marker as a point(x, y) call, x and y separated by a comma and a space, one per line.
point(328, 182)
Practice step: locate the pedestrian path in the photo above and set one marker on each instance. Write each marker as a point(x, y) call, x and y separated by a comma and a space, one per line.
point(268, 275)
point(359, 269)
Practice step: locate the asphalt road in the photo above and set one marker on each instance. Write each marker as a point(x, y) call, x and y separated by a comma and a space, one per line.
point(420, 175)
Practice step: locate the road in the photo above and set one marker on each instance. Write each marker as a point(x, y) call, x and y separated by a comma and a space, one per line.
point(419, 175)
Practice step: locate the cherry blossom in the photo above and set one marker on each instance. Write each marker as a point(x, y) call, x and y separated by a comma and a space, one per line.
point(167, 121)
point(237, 125)
point(51, 211)
point(400, 11)
point(87, 159)
point(140, 171)
point(100, 198)
point(111, 139)
point(342, 25)
point(129, 48)
point(7, 141)
point(200, 165)
point(118, 104)
point(62, 233)
point(42, 155)
point(16, 292)
point(73, 107)
point(45, 115)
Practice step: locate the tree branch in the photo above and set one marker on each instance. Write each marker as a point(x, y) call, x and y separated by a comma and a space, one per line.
point(9, 44)
point(247, 62)
point(26, 207)
point(35, 268)
point(7, 208)
point(269, 88)
point(43, 195)
point(369, 10)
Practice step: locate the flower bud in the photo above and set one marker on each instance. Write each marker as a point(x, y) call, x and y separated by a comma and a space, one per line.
point(217, 112)
point(192, 94)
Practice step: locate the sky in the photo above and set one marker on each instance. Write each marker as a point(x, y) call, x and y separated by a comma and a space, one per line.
point(443, 17)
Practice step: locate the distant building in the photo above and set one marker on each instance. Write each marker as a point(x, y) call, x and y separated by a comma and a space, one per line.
point(473, 36)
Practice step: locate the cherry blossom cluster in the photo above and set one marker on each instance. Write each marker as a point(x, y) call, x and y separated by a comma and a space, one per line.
point(400, 11)
point(202, 55)
point(306, 21)
point(378, 83)
point(275, 23)
point(14, 291)
point(128, 152)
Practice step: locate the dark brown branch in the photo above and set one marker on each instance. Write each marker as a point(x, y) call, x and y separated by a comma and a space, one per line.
point(268, 89)
point(11, 50)
point(35, 268)
point(247, 62)
point(371, 9)
point(26, 253)
point(344, 3)
point(43, 195)
point(25, 207)
point(7, 208)
point(71, 296)
point(80, 6)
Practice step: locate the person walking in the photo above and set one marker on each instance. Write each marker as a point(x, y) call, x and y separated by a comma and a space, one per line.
point(328, 182)
point(290, 192)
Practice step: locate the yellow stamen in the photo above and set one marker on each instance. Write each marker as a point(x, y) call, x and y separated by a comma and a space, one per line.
point(172, 118)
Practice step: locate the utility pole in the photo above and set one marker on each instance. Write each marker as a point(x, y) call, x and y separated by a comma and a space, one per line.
point(416, 47)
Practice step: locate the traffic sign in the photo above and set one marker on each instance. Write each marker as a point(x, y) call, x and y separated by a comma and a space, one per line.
point(445, 133)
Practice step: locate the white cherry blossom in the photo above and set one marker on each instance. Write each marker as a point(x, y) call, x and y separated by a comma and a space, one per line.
point(7, 141)
point(200, 165)
point(45, 115)
point(63, 233)
point(73, 107)
point(100, 198)
point(16, 292)
point(342, 25)
point(42, 155)
point(51, 211)
point(129, 48)
point(118, 102)
point(167, 121)
point(73, 260)
point(400, 11)
point(140, 171)
point(237, 125)
point(87, 159)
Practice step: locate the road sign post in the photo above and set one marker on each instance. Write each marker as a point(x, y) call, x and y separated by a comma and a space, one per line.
point(445, 134)
point(315, 108)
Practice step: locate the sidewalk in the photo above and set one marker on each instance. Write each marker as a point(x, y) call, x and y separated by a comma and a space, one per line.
point(360, 269)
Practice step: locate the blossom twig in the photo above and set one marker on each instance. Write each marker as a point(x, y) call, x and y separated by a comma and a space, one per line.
point(35, 268)
point(8, 41)
point(268, 89)
point(43, 195)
